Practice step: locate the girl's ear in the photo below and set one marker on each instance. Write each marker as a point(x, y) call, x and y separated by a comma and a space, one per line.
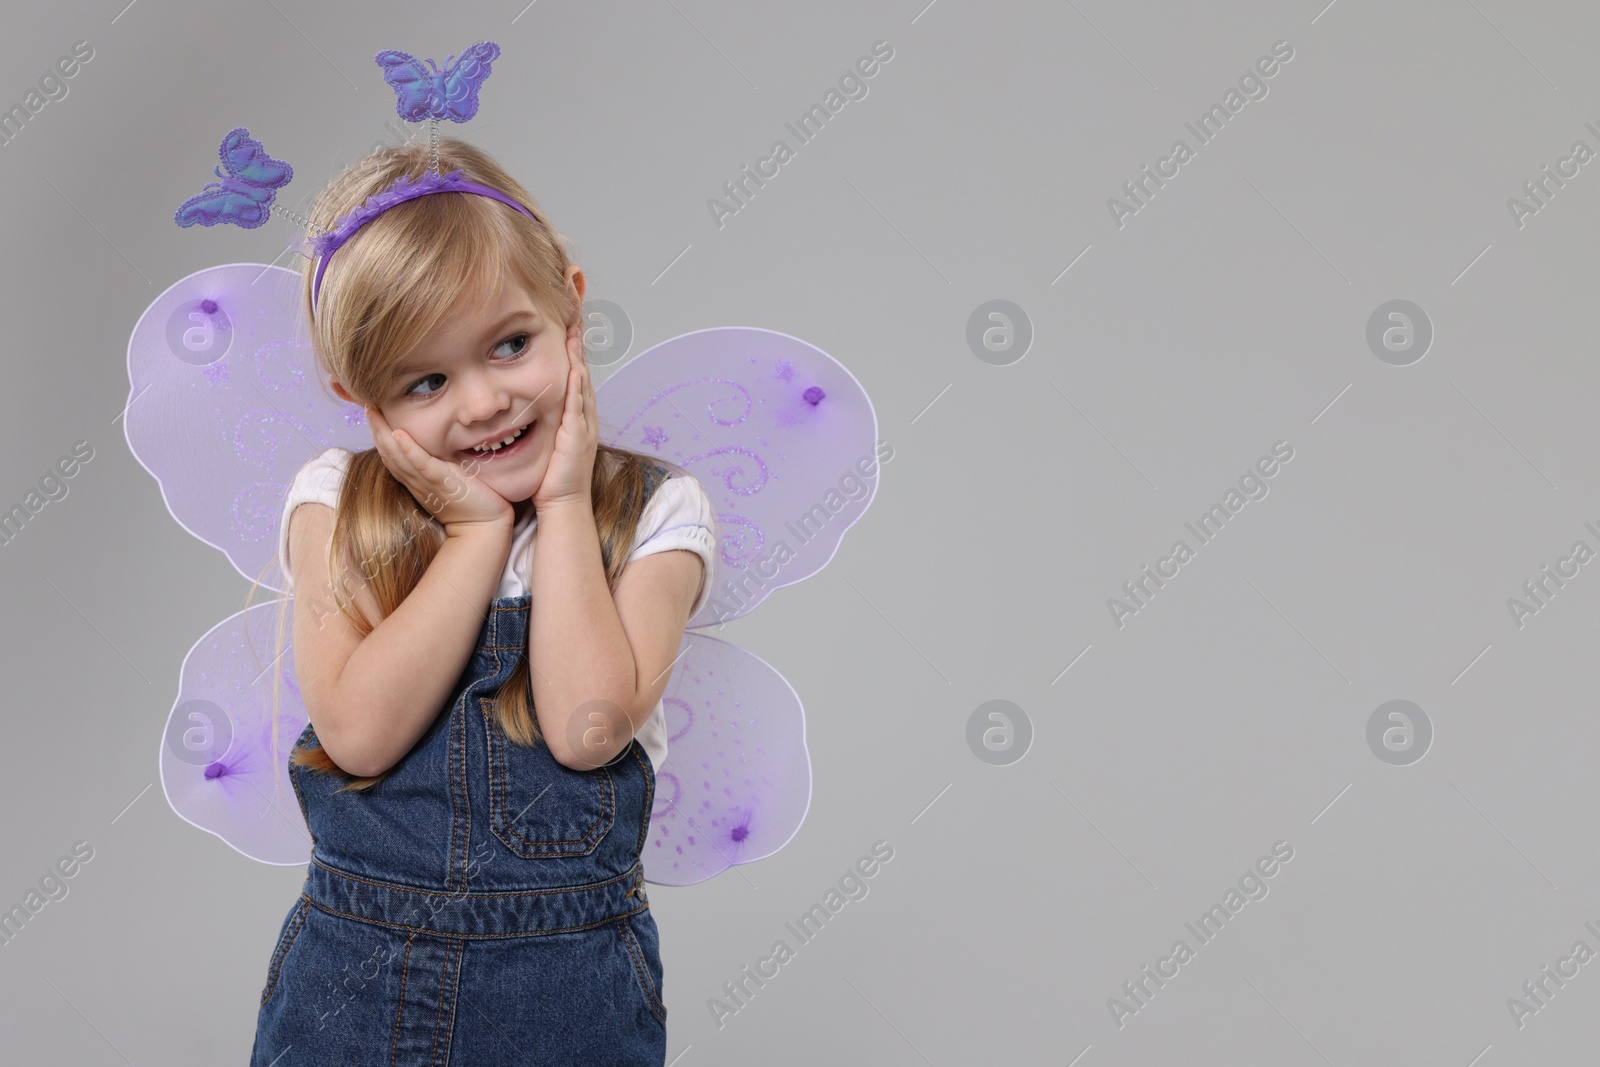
point(340, 390)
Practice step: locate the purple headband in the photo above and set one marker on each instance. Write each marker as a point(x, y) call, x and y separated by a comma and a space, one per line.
point(402, 190)
point(244, 196)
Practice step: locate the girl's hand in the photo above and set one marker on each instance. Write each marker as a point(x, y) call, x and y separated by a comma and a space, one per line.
point(569, 474)
point(444, 489)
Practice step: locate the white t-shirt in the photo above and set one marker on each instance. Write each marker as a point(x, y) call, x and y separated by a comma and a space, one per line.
point(677, 515)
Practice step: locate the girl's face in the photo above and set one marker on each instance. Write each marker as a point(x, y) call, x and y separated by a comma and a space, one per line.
point(484, 373)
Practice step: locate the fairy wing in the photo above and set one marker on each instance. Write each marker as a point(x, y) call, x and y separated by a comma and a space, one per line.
point(736, 783)
point(224, 763)
point(783, 439)
point(778, 432)
point(224, 407)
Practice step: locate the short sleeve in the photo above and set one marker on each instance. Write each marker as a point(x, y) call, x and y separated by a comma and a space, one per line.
point(318, 482)
point(679, 515)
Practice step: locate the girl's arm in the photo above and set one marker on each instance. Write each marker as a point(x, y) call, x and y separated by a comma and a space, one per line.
point(601, 663)
point(371, 698)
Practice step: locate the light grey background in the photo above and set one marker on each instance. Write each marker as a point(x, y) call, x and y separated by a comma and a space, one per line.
point(1228, 314)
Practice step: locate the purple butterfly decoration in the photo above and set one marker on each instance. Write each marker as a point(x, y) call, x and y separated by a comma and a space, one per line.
point(244, 195)
point(451, 93)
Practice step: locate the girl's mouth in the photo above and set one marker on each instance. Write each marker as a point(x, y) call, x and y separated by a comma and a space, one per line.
point(499, 451)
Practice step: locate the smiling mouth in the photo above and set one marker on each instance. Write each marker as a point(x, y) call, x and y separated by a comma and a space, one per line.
point(499, 448)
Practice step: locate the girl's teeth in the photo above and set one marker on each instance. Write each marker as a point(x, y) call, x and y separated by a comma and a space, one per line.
point(502, 444)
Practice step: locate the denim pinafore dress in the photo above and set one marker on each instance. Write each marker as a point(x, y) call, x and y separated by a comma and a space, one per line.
point(482, 905)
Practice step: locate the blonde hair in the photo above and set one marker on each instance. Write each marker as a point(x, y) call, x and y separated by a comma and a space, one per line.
point(381, 294)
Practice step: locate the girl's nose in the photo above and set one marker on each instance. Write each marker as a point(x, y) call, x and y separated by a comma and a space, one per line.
point(481, 401)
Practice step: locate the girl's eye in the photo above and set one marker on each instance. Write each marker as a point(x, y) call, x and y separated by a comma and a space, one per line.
point(521, 339)
point(412, 391)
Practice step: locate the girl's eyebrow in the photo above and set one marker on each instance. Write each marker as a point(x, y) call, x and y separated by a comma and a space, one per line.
point(492, 333)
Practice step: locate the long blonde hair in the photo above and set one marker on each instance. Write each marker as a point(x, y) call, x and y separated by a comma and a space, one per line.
point(381, 294)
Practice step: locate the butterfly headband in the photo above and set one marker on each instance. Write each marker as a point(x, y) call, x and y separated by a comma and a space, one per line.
point(245, 194)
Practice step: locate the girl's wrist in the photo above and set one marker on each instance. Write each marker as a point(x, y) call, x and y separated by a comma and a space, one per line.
point(498, 528)
point(576, 505)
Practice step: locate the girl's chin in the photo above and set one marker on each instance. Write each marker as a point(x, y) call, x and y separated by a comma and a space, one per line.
point(516, 481)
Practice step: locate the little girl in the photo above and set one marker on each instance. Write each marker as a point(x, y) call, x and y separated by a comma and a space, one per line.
point(485, 719)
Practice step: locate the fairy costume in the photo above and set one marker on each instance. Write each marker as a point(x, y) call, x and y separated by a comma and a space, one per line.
point(469, 884)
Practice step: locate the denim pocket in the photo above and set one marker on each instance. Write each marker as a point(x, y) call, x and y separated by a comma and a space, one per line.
point(538, 808)
point(639, 936)
point(292, 924)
